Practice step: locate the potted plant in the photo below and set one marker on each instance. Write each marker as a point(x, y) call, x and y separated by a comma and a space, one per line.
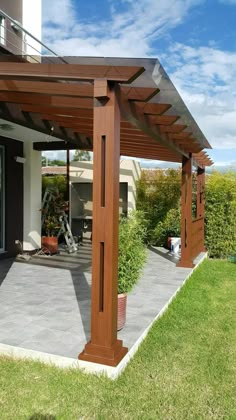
point(52, 211)
point(132, 253)
point(51, 228)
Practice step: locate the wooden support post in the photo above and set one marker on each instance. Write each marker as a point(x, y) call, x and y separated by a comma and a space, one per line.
point(201, 201)
point(186, 214)
point(104, 347)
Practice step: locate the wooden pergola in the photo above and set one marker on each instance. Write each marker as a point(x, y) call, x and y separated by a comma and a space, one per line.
point(114, 107)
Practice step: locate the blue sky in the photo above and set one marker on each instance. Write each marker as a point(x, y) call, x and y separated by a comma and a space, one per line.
point(195, 41)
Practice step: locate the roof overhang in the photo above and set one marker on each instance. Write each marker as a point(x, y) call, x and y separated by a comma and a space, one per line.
point(58, 99)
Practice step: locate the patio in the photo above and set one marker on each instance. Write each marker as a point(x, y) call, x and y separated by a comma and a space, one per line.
point(45, 303)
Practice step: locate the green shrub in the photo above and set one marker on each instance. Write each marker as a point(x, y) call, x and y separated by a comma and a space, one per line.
point(158, 191)
point(158, 196)
point(132, 252)
point(220, 222)
point(54, 182)
point(170, 226)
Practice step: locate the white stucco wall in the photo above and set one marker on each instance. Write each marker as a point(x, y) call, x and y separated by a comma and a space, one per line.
point(32, 198)
point(32, 21)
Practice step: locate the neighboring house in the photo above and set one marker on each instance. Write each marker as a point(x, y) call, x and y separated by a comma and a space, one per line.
point(81, 178)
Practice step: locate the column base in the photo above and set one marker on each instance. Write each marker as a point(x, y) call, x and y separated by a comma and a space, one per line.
point(110, 356)
point(185, 264)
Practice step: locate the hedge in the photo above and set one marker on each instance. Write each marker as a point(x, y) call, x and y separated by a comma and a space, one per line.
point(158, 195)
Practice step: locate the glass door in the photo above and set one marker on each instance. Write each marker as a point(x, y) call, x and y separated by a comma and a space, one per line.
point(2, 201)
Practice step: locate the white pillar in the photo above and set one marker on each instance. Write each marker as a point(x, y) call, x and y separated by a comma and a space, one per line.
point(32, 198)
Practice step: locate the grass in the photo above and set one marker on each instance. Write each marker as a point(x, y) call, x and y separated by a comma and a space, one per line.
point(185, 369)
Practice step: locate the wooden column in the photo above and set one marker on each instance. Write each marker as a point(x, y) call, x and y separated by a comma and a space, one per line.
point(186, 214)
point(201, 201)
point(104, 347)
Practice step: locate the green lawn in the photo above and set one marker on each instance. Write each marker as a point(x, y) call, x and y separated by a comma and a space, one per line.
point(185, 369)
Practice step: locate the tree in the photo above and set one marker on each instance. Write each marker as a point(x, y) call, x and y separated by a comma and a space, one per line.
point(56, 162)
point(81, 155)
point(43, 161)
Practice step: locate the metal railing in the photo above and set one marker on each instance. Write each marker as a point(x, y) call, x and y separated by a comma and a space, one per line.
point(15, 39)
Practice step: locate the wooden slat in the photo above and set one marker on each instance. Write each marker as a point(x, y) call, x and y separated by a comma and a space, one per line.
point(165, 119)
point(175, 128)
point(139, 94)
point(152, 109)
point(31, 98)
point(70, 71)
point(57, 110)
point(69, 120)
point(48, 88)
point(180, 136)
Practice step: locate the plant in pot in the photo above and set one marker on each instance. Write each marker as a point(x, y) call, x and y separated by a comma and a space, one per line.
point(132, 255)
point(51, 223)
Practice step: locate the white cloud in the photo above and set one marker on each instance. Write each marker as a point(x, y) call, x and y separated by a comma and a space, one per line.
point(124, 34)
point(205, 76)
point(206, 80)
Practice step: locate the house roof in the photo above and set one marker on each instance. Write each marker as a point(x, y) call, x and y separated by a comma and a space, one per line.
point(58, 99)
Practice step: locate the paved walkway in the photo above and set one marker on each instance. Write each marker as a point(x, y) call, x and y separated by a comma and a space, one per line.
point(45, 304)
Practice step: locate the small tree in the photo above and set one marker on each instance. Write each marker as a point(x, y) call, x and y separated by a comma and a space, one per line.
point(81, 155)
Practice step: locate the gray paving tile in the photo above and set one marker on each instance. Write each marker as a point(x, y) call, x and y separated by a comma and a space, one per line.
point(45, 306)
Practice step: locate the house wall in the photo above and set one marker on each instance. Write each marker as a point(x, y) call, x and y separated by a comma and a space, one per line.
point(32, 22)
point(29, 14)
point(13, 195)
point(130, 171)
point(14, 9)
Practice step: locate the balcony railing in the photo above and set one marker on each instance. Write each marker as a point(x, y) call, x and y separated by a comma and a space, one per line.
point(17, 41)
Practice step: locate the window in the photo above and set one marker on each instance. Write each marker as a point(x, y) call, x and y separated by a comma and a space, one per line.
point(2, 31)
point(2, 200)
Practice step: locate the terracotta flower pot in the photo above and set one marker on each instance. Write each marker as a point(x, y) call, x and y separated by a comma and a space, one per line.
point(168, 242)
point(51, 243)
point(121, 311)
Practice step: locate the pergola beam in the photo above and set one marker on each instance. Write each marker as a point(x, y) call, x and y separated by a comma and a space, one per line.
point(59, 145)
point(73, 72)
point(57, 110)
point(71, 89)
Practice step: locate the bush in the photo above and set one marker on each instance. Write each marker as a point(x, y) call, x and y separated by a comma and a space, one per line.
point(54, 182)
point(158, 191)
point(170, 226)
point(158, 196)
point(132, 252)
point(220, 221)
